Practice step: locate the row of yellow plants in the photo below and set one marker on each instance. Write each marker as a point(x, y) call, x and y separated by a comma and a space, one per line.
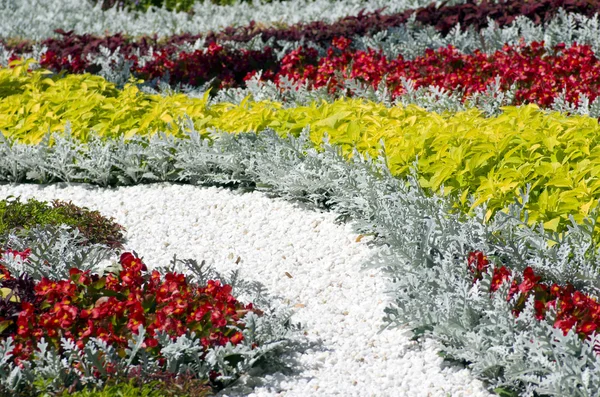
point(467, 153)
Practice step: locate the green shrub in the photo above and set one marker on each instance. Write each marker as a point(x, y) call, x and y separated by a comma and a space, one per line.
point(97, 229)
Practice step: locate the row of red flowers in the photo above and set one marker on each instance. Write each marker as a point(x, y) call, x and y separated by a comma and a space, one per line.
point(574, 309)
point(539, 74)
point(112, 307)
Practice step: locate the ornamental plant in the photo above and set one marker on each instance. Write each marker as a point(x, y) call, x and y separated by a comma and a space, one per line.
point(114, 308)
point(97, 229)
point(85, 99)
point(143, 5)
point(174, 388)
point(574, 310)
point(538, 75)
point(227, 67)
point(551, 154)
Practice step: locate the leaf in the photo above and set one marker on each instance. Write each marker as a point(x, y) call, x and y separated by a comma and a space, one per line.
point(166, 118)
point(99, 284)
point(585, 208)
point(149, 305)
point(559, 181)
point(503, 392)
point(4, 325)
point(6, 292)
point(332, 120)
point(552, 224)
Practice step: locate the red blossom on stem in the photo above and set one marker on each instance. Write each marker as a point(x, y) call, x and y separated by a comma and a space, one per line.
point(574, 309)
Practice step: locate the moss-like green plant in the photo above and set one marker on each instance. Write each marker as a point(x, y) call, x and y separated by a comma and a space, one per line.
point(97, 229)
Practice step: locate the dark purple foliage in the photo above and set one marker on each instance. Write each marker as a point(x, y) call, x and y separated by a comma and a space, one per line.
point(22, 288)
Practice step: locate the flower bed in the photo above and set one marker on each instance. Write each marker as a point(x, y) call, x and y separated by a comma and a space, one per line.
point(66, 328)
point(435, 190)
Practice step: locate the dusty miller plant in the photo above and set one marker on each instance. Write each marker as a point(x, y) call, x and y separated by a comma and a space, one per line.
point(38, 19)
point(54, 250)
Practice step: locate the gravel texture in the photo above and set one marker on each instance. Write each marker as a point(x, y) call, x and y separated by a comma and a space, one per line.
point(301, 255)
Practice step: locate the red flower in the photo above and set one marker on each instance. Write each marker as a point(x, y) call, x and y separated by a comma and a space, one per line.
point(341, 43)
point(587, 328)
point(540, 309)
point(128, 260)
point(565, 324)
point(150, 343)
point(477, 264)
point(80, 277)
point(217, 319)
point(580, 300)
point(236, 338)
point(529, 280)
point(65, 314)
point(500, 275)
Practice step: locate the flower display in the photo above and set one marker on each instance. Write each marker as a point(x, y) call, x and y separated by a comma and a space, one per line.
point(538, 74)
point(112, 307)
point(462, 123)
point(574, 310)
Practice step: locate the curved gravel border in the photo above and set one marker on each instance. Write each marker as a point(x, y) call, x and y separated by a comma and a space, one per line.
point(300, 255)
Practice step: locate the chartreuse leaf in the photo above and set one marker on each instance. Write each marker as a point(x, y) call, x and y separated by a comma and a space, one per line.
point(552, 224)
point(7, 292)
point(4, 325)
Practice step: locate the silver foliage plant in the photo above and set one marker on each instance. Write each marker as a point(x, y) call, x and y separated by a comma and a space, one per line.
point(412, 38)
point(54, 250)
point(37, 19)
point(50, 372)
point(425, 244)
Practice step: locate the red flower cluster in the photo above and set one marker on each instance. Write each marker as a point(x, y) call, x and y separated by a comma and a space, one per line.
point(574, 309)
point(478, 264)
point(539, 74)
point(113, 307)
point(227, 67)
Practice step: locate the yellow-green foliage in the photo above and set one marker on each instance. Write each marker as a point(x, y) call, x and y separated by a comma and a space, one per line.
point(466, 152)
point(31, 104)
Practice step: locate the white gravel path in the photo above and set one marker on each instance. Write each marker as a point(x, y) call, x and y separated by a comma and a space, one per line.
point(337, 303)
